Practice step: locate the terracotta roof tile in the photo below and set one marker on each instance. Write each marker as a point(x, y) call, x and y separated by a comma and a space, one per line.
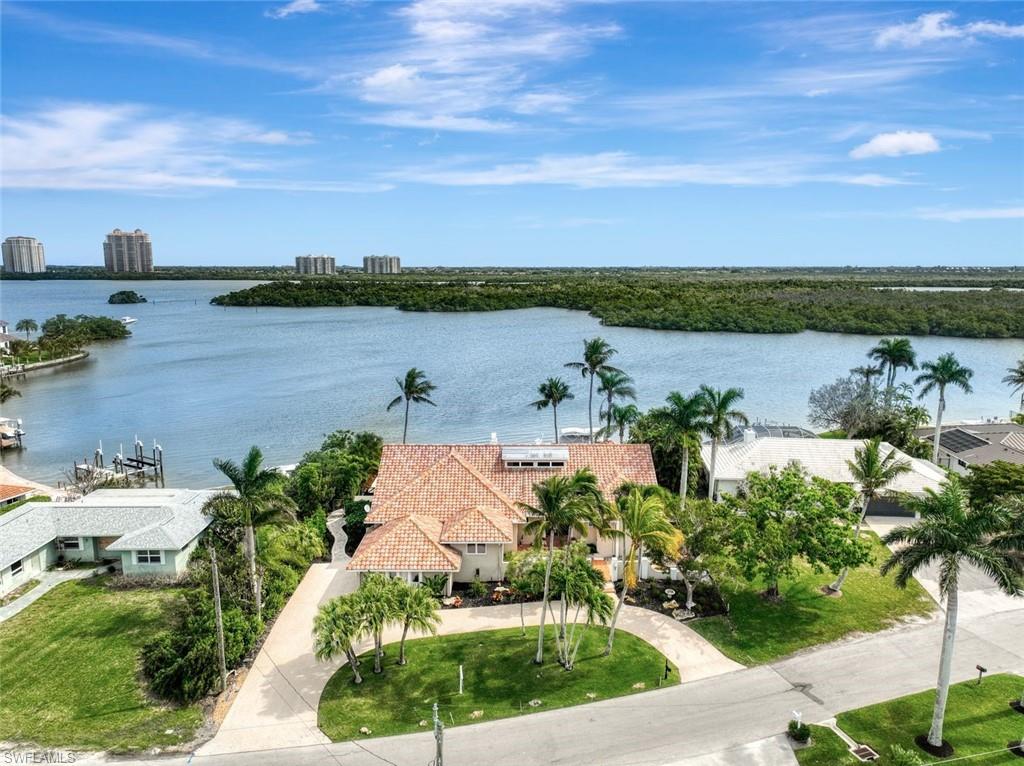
point(7, 491)
point(479, 525)
point(409, 544)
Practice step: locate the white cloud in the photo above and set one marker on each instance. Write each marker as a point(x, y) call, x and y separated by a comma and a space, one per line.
point(623, 170)
point(972, 214)
point(938, 25)
point(294, 7)
point(896, 144)
point(87, 146)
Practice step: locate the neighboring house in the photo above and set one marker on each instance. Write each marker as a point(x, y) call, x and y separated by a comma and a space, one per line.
point(965, 444)
point(5, 337)
point(149, 532)
point(13, 493)
point(826, 458)
point(762, 430)
point(454, 509)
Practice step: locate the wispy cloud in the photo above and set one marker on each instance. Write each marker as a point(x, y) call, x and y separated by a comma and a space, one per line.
point(88, 146)
point(896, 144)
point(939, 25)
point(971, 214)
point(622, 169)
point(294, 7)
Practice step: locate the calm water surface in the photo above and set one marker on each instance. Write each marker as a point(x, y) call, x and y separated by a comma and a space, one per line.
point(209, 382)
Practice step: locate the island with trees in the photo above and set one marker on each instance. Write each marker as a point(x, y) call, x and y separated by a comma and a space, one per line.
point(126, 296)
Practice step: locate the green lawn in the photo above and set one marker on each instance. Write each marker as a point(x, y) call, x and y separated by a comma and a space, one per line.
point(500, 681)
point(757, 631)
point(978, 720)
point(826, 749)
point(70, 671)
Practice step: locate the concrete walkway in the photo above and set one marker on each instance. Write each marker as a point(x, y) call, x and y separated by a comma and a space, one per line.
point(47, 582)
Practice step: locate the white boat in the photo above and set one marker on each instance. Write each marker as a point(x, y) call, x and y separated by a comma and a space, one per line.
point(128, 320)
point(10, 432)
point(574, 435)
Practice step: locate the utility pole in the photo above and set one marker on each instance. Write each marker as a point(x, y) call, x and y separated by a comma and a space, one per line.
point(219, 618)
point(439, 737)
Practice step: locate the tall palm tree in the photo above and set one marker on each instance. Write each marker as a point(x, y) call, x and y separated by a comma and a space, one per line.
point(685, 419)
point(623, 416)
point(377, 603)
point(892, 354)
point(564, 504)
point(416, 608)
point(944, 371)
point(337, 628)
point(258, 500)
point(644, 522)
point(26, 326)
point(615, 384)
point(949, 535)
point(868, 372)
point(1015, 379)
point(596, 353)
point(415, 388)
point(873, 473)
point(553, 392)
point(721, 418)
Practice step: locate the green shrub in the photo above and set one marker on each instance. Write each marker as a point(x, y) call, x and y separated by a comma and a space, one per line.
point(436, 584)
point(799, 732)
point(477, 588)
point(901, 756)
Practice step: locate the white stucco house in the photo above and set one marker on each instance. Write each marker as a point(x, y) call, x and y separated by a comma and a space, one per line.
point(825, 458)
point(148, 532)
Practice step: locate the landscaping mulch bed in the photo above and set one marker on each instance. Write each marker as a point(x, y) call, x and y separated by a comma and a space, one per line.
point(651, 594)
point(462, 597)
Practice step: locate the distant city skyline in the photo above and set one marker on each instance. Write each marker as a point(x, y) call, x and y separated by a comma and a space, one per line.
point(518, 132)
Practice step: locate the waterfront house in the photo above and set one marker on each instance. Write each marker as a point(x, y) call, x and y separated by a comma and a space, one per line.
point(15, 493)
point(454, 509)
point(142, 532)
point(825, 458)
point(965, 444)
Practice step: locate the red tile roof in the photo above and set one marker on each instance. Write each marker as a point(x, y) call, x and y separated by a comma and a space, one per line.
point(409, 544)
point(9, 491)
point(478, 525)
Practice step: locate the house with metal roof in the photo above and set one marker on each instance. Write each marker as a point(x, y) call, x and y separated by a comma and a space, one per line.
point(826, 458)
point(456, 509)
point(145, 532)
point(962, 445)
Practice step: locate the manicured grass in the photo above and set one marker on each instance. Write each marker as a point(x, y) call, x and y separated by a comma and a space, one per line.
point(70, 671)
point(978, 720)
point(757, 631)
point(826, 749)
point(500, 681)
point(34, 499)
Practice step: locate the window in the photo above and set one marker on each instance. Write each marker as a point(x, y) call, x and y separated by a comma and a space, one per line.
point(149, 557)
point(70, 543)
point(477, 549)
point(16, 568)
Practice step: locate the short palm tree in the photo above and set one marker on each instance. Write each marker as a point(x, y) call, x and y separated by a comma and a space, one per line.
point(615, 384)
point(721, 417)
point(553, 392)
point(564, 504)
point(868, 372)
point(873, 473)
point(26, 326)
point(415, 388)
point(893, 354)
point(685, 419)
point(944, 371)
point(1015, 379)
point(949, 535)
point(596, 354)
point(643, 520)
point(258, 500)
point(337, 628)
point(623, 416)
point(377, 604)
point(415, 608)
point(8, 392)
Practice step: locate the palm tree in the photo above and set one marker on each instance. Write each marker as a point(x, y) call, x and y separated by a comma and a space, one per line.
point(944, 371)
point(623, 416)
point(685, 419)
point(948, 535)
point(553, 392)
point(721, 418)
point(337, 627)
point(377, 597)
point(415, 388)
point(8, 392)
point(258, 500)
point(596, 353)
point(1015, 379)
point(26, 326)
point(564, 504)
point(644, 520)
point(873, 473)
point(892, 354)
point(868, 372)
point(416, 608)
point(614, 385)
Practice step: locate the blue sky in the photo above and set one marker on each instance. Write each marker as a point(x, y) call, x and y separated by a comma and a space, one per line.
point(518, 132)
